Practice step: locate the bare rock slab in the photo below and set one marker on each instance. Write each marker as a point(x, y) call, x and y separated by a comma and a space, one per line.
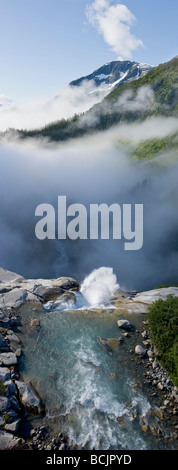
point(15, 298)
point(151, 296)
point(9, 276)
point(5, 404)
point(13, 427)
point(8, 359)
point(29, 397)
point(8, 441)
point(4, 374)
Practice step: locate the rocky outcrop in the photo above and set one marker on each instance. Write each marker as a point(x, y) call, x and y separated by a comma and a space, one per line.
point(9, 410)
point(151, 296)
point(15, 290)
point(16, 395)
point(8, 359)
point(8, 441)
point(29, 397)
point(139, 302)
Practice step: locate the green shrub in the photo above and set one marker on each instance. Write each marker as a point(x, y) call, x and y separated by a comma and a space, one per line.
point(152, 147)
point(6, 417)
point(2, 388)
point(163, 323)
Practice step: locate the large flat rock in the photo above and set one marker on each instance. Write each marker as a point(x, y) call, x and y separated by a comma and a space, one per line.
point(140, 302)
point(4, 404)
point(42, 286)
point(15, 290)
point(152, 295)
point(8, 276)
point(8, 441)
point(4, 374)
point(29, 397)
point(15, 298)
point(8, 359)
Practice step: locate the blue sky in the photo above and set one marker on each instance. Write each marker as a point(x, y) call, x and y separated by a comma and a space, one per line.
point(44, 44)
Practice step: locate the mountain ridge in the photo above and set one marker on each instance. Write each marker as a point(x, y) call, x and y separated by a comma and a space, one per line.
point(153, 94)
point(114, 74)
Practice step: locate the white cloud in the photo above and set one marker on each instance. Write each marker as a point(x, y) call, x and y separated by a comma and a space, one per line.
point(93, 169)
point(6, 101)
point(144, 99)
point(114, 22)
point(34, 114)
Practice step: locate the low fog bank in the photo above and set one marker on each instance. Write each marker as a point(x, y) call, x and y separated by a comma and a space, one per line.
point(77, 100)
point(36, 114)
point(90, 170)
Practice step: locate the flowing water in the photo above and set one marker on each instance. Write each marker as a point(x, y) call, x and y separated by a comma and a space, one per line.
point(90, 392)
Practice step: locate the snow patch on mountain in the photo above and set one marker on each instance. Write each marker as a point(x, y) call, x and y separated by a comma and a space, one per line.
point(102, 76)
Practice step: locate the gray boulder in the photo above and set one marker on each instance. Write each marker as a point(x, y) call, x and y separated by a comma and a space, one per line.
point(29, 397)
point(125, 324)
point(5, 321)
point(4, 374)
point(15, 298)
point(8, 359)
point(67, 283)
point(4, 404)
point(8, 441)
point(140, 350)
point(13, 427)
point(45, 293)
point(10, 388)
point(8, 276)
point(3, 344)
point(12, 338)
point(15, 403)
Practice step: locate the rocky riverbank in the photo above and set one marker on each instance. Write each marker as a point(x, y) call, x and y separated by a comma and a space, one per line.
point(149, 376)
point(162, 420)
point(18, 398)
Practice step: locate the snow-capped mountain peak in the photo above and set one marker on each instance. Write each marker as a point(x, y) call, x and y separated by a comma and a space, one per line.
point(113, 74)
